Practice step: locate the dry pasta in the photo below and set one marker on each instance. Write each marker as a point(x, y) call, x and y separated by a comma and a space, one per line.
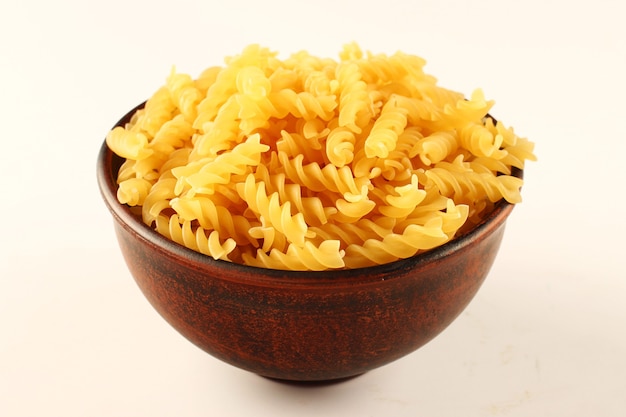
point(312, 163)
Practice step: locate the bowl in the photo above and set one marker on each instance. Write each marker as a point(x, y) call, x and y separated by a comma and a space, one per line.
point(302, 325)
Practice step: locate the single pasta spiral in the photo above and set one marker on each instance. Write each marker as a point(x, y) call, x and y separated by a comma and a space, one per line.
point(384, 134)
point(435, 147)
point(201, 176)
point(211, 216)
point(317, 178)
point(312, 207)
point(308, 257)
point(184, 234)
point(269, 207)
point(158, 109)
point(467, 185)
point(414, 238)
point(340, 146)
point(353, 98)
point(184, 93)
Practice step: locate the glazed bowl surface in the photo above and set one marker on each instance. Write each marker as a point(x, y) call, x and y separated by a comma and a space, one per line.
point(302, 325)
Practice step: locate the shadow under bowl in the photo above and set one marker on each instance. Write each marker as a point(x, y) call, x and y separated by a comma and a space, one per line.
point(302, 325)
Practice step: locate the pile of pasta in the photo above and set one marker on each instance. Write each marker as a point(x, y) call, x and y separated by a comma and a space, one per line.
point(310, 163)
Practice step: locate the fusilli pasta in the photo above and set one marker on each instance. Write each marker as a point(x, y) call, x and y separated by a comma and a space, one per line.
point(312, 163)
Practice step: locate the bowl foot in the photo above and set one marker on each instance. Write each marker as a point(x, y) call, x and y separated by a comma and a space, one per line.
point(314, 383)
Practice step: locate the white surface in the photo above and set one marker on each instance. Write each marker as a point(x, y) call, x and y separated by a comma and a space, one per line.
point(544, 336)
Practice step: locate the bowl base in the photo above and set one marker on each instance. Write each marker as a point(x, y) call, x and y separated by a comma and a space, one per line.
point(314, 383)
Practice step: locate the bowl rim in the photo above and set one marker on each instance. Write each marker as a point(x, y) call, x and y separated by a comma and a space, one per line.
point(106, 178)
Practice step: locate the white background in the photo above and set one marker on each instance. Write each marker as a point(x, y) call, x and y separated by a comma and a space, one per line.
point(545, 336)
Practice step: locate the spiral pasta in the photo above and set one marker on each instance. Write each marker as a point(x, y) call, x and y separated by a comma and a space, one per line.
point(340, 146)
point(459, 182)
point(158, 109)
point(414, 238)
point(353, 97)
point(307, 257)
point(311, 163)
point(384, 134)
point(435, 147)
point(200, 177)
point(184, 94)
point(312, 207)
point(183, 233)
point(294, 228)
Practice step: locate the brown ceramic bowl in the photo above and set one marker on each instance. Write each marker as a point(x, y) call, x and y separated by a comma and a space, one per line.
point(302, 326)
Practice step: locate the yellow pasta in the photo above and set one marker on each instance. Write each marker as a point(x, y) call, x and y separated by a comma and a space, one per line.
point(278, 214)
point(311, 163)
point(158, 109)
point(384, 134)
point(133, 191)
point(197, 239)
point(184, 94)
